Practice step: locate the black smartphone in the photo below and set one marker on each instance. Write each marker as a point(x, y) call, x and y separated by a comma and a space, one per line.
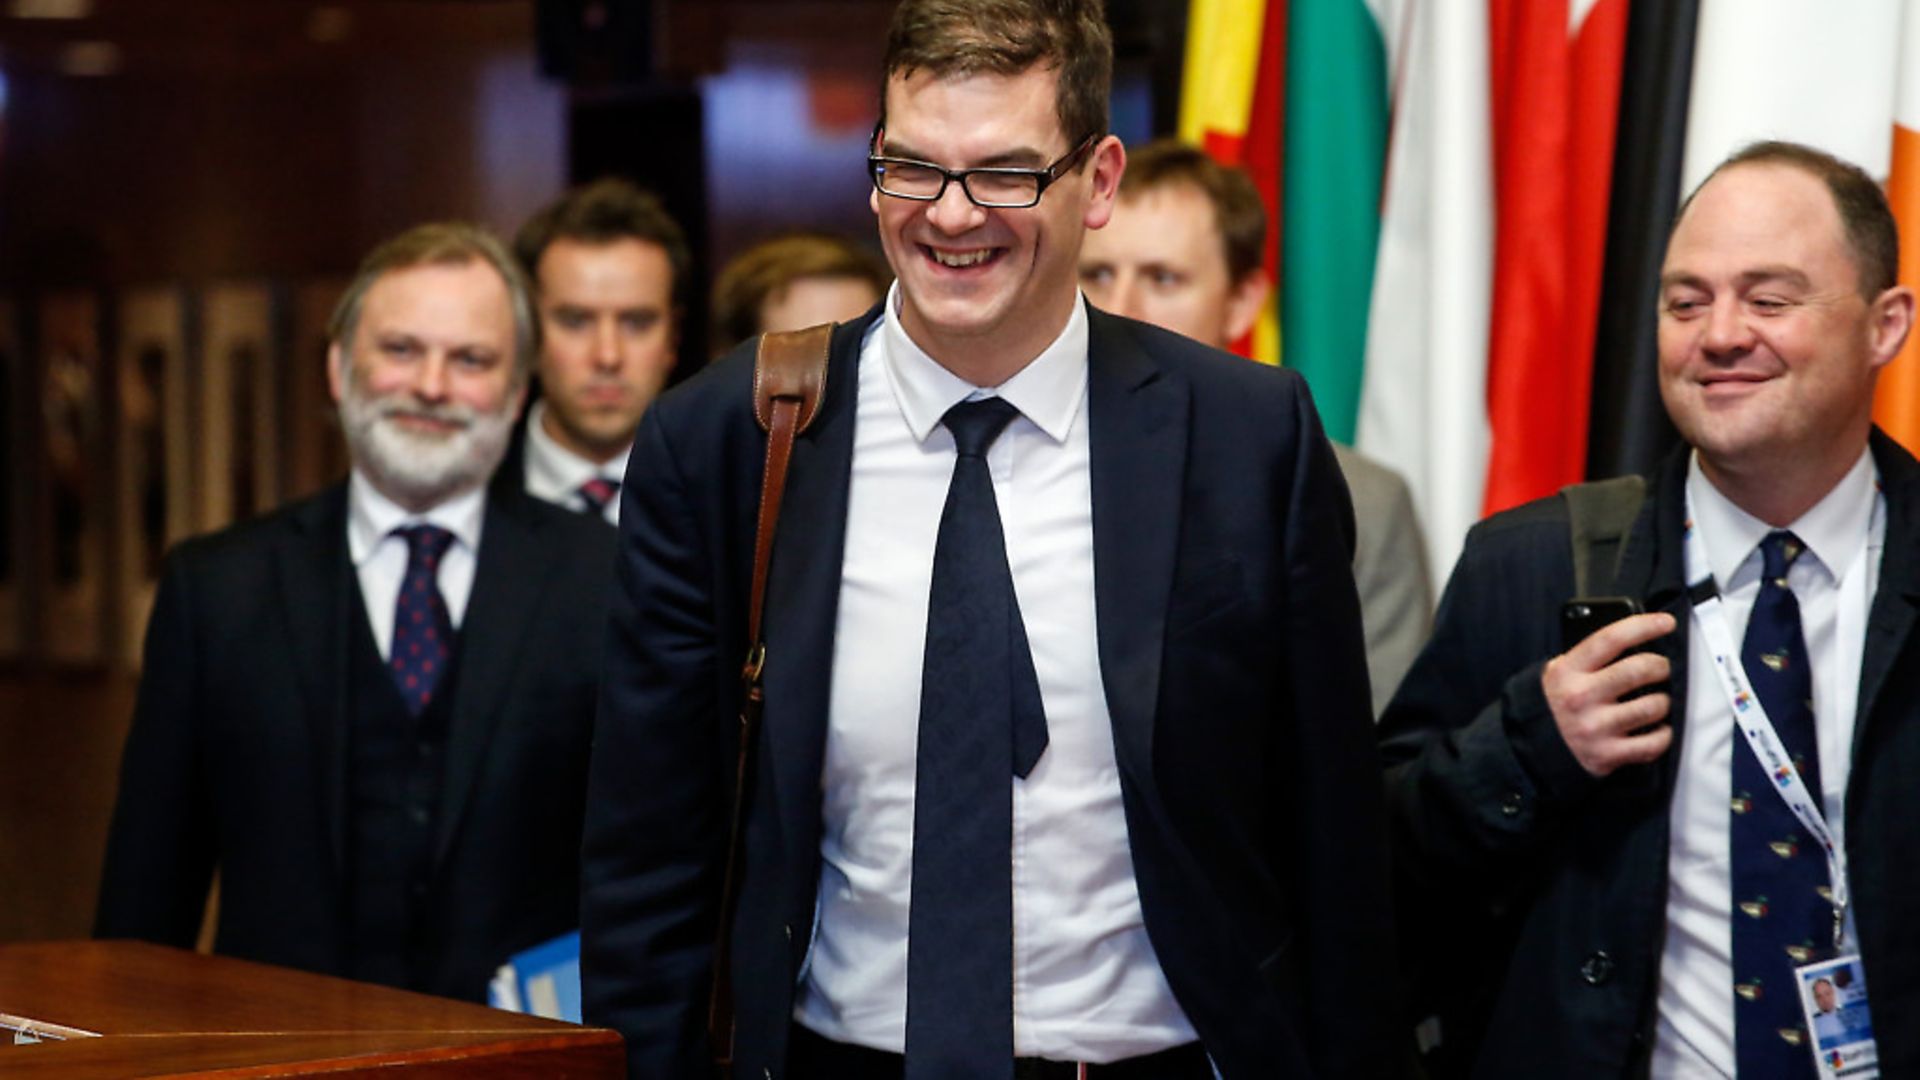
point(1582, 615)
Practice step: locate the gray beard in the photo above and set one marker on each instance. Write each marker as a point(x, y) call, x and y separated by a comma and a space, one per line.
point(415, 470)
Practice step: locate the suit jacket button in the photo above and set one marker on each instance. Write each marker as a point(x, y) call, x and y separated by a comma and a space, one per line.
point(1513, 804)
point(789, 929)
point(1597, 969)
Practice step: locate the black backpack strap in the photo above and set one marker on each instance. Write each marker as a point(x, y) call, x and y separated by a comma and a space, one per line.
point(1599, 516)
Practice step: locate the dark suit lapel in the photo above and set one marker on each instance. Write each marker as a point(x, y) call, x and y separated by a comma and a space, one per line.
point(317, 592)
point(803, 592)
point(508, 583)
point(1891, 616)
point(1138, 442)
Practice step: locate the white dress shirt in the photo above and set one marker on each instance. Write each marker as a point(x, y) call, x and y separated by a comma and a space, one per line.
point(555, 473)
point(1834, 582)
point(1086, 983)
point(380, 556)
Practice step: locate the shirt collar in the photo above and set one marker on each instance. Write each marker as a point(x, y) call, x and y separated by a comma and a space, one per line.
point(1048, 391)
point(372, 517)
point(1833, 530)
point(554, 467)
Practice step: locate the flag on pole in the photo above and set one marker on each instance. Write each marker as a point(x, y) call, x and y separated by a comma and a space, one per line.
point(1230, 105)
point(1336, 138)
point(1629, 430)
point(1423, 408)
point(1820, 74)
point(1896, 406)
point(1556, 86)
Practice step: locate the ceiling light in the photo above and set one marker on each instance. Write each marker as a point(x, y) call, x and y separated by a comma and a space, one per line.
point(50, 9)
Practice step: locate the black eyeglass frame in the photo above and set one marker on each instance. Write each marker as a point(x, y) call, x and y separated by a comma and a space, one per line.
point(1042, 178)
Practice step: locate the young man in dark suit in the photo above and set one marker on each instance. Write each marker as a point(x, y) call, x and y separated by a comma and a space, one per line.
point(1066, 757)
point(1643, 877)
point(609, 269)
point(370, 712)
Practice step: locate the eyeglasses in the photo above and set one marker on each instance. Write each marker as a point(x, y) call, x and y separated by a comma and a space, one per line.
point(995, 188)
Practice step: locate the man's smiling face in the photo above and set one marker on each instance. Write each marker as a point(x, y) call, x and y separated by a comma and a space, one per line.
point(992, 284)
point(1768, 349)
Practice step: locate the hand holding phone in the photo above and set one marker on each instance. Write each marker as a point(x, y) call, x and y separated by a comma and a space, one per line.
point(1581, 616)
point(1591, 686)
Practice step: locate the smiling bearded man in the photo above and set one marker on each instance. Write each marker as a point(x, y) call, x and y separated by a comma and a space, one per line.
point(370, 711)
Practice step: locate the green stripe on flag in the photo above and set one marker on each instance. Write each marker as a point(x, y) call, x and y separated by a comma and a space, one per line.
point(1335, 147)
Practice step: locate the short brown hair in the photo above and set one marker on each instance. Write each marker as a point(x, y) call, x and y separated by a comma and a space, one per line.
point(443, 243)
point(764, 270)
point(958, 38)
point(1239, 215)
point(1872, 233)
point(605, 211)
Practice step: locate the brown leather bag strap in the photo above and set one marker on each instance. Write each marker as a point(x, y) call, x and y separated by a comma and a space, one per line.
point(789, 377)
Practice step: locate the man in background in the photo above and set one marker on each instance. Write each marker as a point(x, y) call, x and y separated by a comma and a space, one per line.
point(609, 267)
point(791, 282)
point(370, 711)
point(1183, 251)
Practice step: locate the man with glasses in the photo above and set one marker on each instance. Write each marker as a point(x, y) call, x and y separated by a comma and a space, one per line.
point(1066, 765)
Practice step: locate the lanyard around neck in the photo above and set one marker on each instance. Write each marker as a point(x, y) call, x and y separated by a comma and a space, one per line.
point(1750, 716)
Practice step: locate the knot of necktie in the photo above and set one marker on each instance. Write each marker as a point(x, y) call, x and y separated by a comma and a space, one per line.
point(1778, 550)
point(975, 424)
point(598, 492)
point(426, 543)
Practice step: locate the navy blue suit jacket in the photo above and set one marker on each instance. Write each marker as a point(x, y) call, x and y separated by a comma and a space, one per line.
point(1230, 648)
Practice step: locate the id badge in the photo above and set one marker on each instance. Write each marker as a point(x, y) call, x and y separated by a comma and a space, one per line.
point(1833, 995)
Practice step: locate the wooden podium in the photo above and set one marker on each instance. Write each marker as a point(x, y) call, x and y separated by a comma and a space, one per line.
point(123, 1009)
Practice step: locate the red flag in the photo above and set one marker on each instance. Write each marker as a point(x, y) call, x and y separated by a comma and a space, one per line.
point(1555, 88)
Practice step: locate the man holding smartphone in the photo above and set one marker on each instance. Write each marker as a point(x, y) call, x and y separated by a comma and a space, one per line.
point(1631, 844)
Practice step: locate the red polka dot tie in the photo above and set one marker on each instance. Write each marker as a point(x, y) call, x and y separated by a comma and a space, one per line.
point(422, 630)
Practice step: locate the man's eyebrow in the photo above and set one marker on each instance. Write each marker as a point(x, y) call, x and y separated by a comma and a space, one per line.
point(1019, 157)
point(1785, 275)
point(1759, 275)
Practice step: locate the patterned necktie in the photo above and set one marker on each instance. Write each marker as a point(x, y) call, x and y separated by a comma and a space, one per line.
point(422, 630)
point(981, 723)
point(1783, 914)
point(598, 492)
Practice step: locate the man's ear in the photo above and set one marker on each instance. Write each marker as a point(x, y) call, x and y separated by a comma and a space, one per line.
point(336, 371)
point(1890, 321)
point(1249, 295)
point(1108, 160)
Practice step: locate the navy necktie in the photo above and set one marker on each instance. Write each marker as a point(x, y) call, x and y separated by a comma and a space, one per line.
point(981, 724)
point(598, 492)
point(422, 630)
point(1782, 911)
